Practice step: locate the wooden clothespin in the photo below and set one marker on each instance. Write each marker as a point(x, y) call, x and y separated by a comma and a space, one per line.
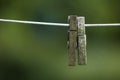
point(76, 40)
point(72, 39)
point(82, 55)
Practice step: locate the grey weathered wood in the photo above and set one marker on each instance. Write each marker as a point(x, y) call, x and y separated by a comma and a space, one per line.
point(72, 33)
point(82, 55)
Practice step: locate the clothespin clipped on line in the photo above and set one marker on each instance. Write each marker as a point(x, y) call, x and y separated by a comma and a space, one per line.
point(76, 41)
point(76, 37)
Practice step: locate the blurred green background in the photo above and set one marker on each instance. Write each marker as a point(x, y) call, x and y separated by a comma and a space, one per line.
point(36, 52)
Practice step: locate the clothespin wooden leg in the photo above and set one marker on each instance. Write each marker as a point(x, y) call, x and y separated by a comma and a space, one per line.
point(82, 55)
point(72, 40)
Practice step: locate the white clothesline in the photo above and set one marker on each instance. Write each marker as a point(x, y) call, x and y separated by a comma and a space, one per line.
point(56, 24)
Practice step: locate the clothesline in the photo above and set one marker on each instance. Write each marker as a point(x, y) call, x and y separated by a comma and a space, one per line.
point(56, 24)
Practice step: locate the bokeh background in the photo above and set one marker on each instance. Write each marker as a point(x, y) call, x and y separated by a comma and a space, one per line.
point(36, 52)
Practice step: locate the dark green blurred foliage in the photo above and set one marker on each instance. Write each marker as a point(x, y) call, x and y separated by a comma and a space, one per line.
point(35, 52)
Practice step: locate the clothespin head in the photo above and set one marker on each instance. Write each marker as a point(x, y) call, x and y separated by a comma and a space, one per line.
point(72, 39)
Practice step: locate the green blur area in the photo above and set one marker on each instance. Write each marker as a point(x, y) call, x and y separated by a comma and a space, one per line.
point(36, 52)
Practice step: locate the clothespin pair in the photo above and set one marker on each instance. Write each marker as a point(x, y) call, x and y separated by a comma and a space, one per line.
point(76, 41)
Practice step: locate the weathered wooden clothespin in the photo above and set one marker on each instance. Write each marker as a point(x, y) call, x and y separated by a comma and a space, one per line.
point(82, 55)
point(72, 39)
point(76, 40)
